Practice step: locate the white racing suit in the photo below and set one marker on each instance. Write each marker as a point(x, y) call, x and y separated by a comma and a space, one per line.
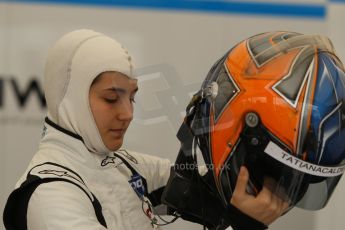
point(74, 181)
point(67, 187)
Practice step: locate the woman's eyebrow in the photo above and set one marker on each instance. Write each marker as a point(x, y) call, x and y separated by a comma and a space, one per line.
point(121, 90)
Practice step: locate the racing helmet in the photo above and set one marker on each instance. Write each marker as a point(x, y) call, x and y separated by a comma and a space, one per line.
point(275, 103)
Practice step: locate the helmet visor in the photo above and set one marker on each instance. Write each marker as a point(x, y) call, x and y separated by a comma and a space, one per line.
point(301, 183)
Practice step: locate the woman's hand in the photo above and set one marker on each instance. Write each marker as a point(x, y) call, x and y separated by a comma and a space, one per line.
point(266, 207)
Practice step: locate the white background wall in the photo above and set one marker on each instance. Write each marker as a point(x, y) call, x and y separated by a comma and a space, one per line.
point(173, 49)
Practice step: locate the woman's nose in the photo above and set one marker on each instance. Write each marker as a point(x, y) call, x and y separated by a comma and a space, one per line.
point(126, 113)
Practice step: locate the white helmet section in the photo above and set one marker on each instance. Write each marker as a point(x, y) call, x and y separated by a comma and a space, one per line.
point(72, 65)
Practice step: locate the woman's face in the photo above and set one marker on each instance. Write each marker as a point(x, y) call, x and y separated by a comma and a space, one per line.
point(111, 99)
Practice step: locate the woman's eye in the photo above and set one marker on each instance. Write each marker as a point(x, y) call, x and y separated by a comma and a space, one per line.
point(132, 100)
point(110, 101)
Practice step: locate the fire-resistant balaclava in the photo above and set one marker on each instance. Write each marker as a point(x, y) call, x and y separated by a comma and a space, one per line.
point(73, 63)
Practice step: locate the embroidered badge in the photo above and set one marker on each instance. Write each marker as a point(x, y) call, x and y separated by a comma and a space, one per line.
point(111, 160)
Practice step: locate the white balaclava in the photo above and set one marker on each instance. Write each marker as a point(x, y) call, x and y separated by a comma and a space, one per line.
point(72, 65)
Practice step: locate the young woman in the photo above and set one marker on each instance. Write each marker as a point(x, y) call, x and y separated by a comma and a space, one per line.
point(80, 178)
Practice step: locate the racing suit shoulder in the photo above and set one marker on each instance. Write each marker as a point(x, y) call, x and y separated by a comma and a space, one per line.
point(69, 209)
point(16, 209)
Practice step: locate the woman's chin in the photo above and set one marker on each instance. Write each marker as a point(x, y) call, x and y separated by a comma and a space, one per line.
point(114, 144)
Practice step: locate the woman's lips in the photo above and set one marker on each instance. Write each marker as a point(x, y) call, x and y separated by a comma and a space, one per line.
point(117, 132)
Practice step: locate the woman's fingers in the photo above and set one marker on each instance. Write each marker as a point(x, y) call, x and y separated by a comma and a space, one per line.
point(242, 180)
point(241, 185)
point(266, 206)
point(271, 200)
point(285, 207)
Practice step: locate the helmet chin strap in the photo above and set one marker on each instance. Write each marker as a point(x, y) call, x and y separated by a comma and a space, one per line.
point(190, 194)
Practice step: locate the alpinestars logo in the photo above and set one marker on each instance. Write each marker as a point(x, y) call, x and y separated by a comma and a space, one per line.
point(111, 160)
point(116, 161)
point(57, 173)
